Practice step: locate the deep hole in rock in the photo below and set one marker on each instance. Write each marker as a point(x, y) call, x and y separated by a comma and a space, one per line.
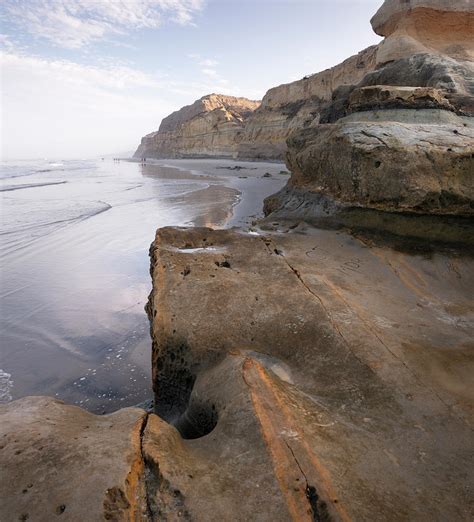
point(197, 421)
point(222, 264)
point(174, 383)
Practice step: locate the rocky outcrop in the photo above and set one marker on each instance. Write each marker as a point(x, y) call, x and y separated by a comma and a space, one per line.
point(210, 126)
point(402, 139)
point(299, 373)
point(317, 375)
point(322, 375)
point(425, 26)
point(59, 461)
point(400, 165)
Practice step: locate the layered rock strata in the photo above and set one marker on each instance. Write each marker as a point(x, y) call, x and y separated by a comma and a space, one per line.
point(427, 43)
point(211, 126)
point(315, 374)
point(298, 105)
point(402, 139)
point(222, 126)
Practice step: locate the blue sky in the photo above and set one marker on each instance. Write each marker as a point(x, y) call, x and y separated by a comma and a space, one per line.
point(82, 78)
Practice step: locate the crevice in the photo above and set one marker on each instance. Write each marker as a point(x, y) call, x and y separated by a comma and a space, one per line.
point(316, 296)
point(163, 501)
point(146, 471)
point(268, 242)
point(369, 135)
point(319, 508)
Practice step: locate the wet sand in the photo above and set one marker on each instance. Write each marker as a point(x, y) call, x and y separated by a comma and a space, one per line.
point(75, 279)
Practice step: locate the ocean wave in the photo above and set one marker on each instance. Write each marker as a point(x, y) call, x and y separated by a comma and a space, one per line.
point(22, 225)
point(6, 385)
point(9, 188)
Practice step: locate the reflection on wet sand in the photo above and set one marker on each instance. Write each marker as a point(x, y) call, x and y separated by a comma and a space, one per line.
point(74, 286)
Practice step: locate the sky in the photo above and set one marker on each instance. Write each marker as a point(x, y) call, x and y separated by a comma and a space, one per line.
point(86, 78)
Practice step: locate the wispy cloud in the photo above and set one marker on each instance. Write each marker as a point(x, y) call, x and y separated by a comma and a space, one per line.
point(81, 109)
point(77, 23)
point(208, 68)
point(207, 62)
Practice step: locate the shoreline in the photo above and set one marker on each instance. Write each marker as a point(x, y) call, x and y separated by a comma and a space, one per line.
point(94, 367)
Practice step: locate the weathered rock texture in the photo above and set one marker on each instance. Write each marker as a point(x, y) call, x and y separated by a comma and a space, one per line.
point(315, 375)
point(402, 139)
point(210, 126)
point(388, 165)
point(425, 26)
point(299, 374)
point(59, 461)
point(322, 374)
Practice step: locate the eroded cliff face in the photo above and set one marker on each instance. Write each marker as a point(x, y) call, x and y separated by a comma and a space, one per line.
point(298, 105)
point(223, 126)
point(299, 373)
point(402, 139)
point(426, 43)
point(211, 126)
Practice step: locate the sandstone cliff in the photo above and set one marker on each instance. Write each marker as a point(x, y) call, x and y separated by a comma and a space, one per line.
point(402, 139)
point(223, 126)
point(211, 126)
point(426, 43)
point(297, 105)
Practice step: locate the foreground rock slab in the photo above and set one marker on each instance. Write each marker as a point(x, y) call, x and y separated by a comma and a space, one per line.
point(320, 371)
point(299, 374)
point(59, 461)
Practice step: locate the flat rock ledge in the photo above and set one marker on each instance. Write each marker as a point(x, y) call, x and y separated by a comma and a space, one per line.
point(299, 374)
point(319, 376)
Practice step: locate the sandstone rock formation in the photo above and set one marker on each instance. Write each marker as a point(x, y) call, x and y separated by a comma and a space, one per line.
point(316, 375)
point(428, 43)
point(61, 461)
point(299, 373)
point(334, 364)
point(297, 105)
point(223, 126)
point(209, 127)
point(402, 139)
point(425, 26)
